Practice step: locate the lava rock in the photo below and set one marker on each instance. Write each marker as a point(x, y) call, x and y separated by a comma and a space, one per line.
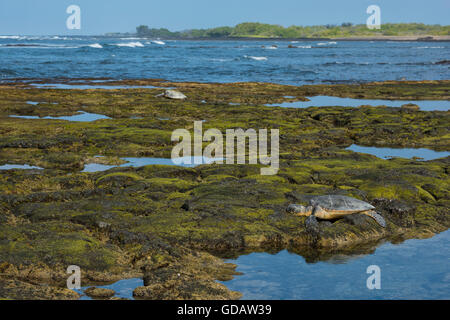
point(99, 292)
point(399, 212)
point(410, 107)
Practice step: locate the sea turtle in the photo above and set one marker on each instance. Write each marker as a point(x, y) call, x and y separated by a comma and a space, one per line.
point(174, 94)
point(333, 207)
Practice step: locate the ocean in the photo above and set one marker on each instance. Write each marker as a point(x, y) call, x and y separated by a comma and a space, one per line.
point(305, 62)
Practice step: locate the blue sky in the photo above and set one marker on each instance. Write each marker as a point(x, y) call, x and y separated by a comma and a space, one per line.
point(32, 17)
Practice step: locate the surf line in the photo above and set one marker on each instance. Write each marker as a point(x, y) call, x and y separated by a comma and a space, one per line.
point(257, 147)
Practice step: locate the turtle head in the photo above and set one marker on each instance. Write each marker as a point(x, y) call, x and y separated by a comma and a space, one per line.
point(299, 210)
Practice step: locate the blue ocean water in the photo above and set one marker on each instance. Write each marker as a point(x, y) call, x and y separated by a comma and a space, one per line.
point(222, 61)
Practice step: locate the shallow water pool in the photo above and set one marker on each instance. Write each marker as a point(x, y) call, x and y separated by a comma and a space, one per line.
point(414, 269)
point(385, 153)
point(140, 162)
point(324, 101)
point(123, 288)
point(80, 117)
point(18, 166)
point(86, 86)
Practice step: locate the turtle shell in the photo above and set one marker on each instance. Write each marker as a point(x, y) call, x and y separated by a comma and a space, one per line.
point(341, 203)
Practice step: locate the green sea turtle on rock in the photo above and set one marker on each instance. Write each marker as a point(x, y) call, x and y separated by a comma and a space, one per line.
point(331, 207)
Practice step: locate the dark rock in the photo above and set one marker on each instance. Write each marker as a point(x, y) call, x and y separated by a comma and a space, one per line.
point(230, 240)
point(325, 223)
point(127, 237)
point(443, 62)
point(356, 219)
point(410, 107)
point(399, 212)
point(99, 292)
point(185, 206)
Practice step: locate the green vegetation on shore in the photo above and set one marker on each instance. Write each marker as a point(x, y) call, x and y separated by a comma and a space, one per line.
point(262, 30)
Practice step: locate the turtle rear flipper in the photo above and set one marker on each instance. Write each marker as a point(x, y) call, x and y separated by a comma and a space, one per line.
point(377, 217)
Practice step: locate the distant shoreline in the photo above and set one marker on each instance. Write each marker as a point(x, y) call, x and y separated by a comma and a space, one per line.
point(370, 38)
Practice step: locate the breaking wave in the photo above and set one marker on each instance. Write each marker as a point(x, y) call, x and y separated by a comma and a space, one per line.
point(256, 58)
point(130, 44)
point(327, 43)
point(96, 45)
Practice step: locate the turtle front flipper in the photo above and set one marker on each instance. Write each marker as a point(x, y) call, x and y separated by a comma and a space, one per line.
point(312, 225)
point(377, 217)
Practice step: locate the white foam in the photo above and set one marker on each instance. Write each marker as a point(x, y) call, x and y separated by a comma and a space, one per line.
point(326, 43)
point(96, 45)
point(11, 37)
point(38, 38)
point(256, 58)
point(38, 46)
point(130, 44)
point(430, 47)
point(159, 42)
point(219, 59)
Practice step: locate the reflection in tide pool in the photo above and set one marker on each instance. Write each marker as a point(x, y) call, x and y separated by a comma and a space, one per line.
point(123, 288)
point(86, 86)
point(35, 103)
point(80, 117)
point(384, 153)
point(18, 166)
point(324, 101)
point(140, 162)
point(184, 161)
point(414, 269)
point(96, 167)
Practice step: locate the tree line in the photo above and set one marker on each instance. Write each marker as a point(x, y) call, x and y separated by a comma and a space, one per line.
point(262, 30)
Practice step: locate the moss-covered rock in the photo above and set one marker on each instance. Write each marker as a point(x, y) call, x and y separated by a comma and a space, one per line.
point(158, 222)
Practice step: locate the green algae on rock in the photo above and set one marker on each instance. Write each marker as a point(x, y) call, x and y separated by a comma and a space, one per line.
point(168, 224)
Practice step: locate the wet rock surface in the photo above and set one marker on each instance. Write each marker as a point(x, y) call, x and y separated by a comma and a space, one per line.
point(168, 224)
point(99, 292)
